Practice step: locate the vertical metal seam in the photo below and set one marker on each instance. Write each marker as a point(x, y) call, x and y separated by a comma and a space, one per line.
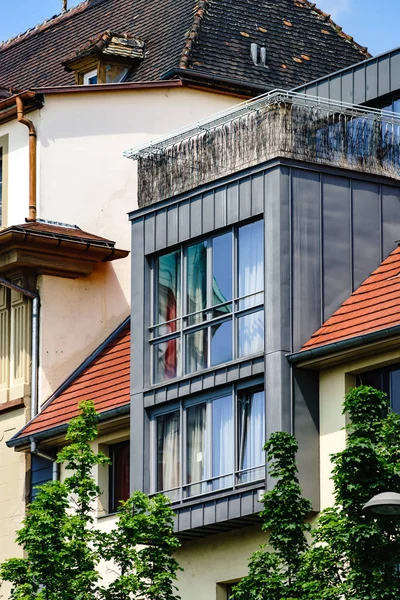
point(321, 248)
point(380, 206)
point(351, 247)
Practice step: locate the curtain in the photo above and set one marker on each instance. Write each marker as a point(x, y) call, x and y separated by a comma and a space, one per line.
point(252, 434)
point(251, 260)
point(196, 447)
point(168, 467)
point(222, 441)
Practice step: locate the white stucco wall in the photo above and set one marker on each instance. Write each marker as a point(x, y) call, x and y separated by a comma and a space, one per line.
point(85, 180)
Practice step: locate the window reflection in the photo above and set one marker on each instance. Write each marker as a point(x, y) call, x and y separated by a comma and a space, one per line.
point(214, 307)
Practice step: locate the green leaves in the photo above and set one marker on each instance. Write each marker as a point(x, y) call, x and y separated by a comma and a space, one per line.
point(63, 549)
point(352, 556)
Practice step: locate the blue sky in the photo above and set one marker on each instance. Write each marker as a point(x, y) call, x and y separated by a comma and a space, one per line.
point(372, 23)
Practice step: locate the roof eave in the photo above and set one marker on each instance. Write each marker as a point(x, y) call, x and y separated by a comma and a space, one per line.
point(336, 352)
point(22, 443)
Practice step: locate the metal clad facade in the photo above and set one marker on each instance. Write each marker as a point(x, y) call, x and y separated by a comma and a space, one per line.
point(325, 230)
point(362, 83)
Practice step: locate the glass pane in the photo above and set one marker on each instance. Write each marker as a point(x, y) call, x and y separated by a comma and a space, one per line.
point(221, 343)
point(168, 283)
point(251, 333)
point(251, 259)
point(119, 475)
point(196, 280)
point(196, 448)
point(115, 73)
point(222, 271)
point(196, 350)
point(222, 442)
point(251, 422)
point(395, 390)
point(168, 458)
point(166, 359)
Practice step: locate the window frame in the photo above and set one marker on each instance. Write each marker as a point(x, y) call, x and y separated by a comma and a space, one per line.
point(235, 390)
point(208, 321)
point(113, 502)
point(384, 374)
point(88, 75)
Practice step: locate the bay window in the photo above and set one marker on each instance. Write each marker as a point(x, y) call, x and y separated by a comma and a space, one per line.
point(208, 444)
point(208, 299)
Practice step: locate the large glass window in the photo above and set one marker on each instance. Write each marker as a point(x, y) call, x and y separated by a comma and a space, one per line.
point(386, 379)
point(219, 441)
point(209, 302)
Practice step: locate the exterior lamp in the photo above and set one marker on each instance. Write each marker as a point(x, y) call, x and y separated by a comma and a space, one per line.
point(387, 503)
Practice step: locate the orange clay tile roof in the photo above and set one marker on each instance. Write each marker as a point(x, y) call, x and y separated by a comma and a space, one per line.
point(375, 305)
point(105, 380)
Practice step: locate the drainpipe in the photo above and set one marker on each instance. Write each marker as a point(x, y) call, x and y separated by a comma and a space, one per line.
point(37, 452)
point(35, 339)
point(32, 157)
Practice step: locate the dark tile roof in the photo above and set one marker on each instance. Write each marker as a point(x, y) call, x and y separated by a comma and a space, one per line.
point(45, 229)
point(213, 37)
point(374, 306)
point(104, 378)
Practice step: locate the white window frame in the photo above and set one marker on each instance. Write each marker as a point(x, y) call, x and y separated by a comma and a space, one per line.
point(87, 76)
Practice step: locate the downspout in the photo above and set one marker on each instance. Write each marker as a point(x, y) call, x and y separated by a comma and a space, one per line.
point(32, 157)
point(34, 450)
point(35, 339)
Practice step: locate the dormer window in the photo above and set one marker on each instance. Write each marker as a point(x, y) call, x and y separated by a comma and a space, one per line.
point(107, 59)
point(90, 78)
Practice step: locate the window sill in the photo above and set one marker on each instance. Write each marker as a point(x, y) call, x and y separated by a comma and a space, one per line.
point(11, 405)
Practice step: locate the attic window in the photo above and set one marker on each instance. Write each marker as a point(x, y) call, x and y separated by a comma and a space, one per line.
point(90, 78)
point(107, 59)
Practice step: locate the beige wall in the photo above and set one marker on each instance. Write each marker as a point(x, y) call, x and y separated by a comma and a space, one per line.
point(12, 487)
point(334, 383)
point(216, 559)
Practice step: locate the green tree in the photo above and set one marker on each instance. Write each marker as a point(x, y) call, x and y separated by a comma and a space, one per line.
point(352, 556)
point(273, 569)
point(63, 549)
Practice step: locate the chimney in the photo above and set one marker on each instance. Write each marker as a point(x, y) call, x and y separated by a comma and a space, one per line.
point(64, 5)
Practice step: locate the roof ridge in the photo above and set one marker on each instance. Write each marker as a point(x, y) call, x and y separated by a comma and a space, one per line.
point(193, 33)
point(335, 26)
point(54, 20)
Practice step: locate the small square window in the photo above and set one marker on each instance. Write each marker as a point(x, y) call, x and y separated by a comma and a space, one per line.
point(90, 78)
point(119, 475)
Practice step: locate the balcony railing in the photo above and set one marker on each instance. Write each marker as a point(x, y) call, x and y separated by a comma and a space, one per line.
point(277, 124)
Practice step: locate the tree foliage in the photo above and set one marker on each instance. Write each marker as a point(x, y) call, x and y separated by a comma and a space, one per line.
point(63, 549)
point(352, 556)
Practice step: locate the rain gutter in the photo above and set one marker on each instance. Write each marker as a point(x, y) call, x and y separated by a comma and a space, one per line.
point(59, 430)
point(340, 346)
point(241, 86)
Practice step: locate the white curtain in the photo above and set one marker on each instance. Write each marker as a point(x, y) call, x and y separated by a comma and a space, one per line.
point(196, 447)
point(251, 259)
point(222, 441)
point(252, 433)
point(168, 451)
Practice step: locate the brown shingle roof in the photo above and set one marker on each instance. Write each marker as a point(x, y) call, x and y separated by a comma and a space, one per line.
point(209, 36)
point(104, 379)
point(372, 307)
